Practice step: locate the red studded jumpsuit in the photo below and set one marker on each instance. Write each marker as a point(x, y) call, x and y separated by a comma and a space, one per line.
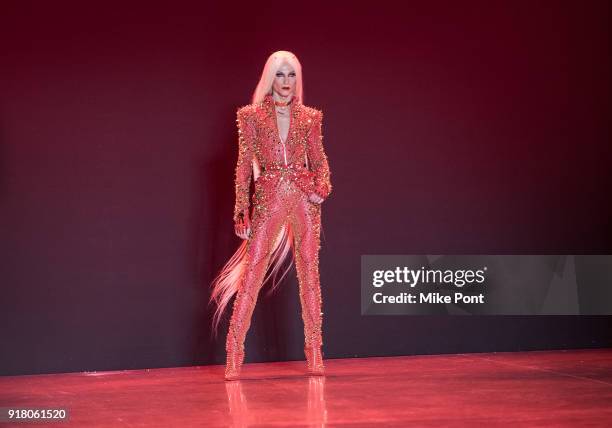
point(285, 176)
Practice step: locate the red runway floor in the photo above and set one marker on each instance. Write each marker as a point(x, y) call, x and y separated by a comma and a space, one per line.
point(542, 388)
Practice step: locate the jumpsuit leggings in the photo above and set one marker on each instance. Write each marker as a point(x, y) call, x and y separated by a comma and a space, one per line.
point(280, 206)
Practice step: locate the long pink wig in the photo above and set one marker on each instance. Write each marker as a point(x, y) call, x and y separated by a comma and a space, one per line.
point(227, 282)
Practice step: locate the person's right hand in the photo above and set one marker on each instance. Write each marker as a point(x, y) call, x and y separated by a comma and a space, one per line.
point(243, 227)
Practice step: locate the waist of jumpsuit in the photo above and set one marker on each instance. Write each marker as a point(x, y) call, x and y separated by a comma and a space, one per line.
point(295, 172)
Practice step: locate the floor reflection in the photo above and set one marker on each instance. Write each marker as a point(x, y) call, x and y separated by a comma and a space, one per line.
point(315, 405)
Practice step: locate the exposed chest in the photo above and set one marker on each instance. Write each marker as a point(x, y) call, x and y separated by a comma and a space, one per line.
point(283, 122)
point(282, 139)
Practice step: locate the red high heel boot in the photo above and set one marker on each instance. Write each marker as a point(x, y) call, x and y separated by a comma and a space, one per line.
point(314, 358)
point(235, 359)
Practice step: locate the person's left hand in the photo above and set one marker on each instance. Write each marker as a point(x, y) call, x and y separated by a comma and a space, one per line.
point(315, 198)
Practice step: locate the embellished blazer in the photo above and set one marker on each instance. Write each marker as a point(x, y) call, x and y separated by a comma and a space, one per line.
point(262, 154)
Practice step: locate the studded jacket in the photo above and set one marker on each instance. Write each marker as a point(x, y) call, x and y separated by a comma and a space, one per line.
point(302, 159)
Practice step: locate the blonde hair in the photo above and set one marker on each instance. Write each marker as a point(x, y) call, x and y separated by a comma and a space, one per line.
point(274, 62)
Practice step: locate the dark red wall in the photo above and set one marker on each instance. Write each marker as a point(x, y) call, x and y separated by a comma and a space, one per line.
point(451, 127)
